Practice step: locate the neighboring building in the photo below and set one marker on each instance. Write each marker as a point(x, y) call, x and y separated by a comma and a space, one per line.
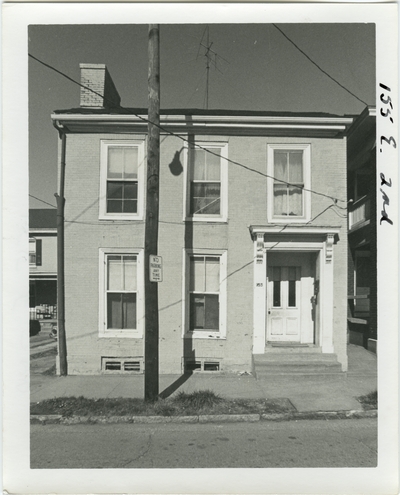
point(43, 265)
point(361, 164)
point(254, 269)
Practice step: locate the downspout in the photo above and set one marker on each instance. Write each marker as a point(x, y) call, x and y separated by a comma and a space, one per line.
point(62, 345)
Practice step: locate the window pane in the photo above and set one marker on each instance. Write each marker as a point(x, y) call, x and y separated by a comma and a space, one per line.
point(121, 311)
point(296, 167)
point(129, 206)
point(114, 311)
point(131, 162)
point(276, 277)
point(292, 293)
point(280, 199)
point(213, 165)
point(114, 273)
point(129, 311)
point(114, 190)
point(122, 162)
point(212, 274)
point(122, 197)
point(205, 198)
point(199, 169)
point(114, 206)
point(212, 312)
point(295, 201)
point(196, 311)
point(32, 251)
point(197, 274)
point(115, 162)
point(280, 165)
point(130, 273)
point(32, 245)
point(130, 190)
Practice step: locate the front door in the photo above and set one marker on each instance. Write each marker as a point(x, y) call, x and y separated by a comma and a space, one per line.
point(290, 286)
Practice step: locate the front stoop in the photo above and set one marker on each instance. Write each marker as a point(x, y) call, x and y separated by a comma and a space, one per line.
point(297, 362)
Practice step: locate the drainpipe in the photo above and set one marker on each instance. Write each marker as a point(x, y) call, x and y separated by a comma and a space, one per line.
point(62, 345)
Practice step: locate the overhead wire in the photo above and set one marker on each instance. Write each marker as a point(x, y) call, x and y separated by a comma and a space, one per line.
point(318, 67)
point(42, 201)
point(186, 140)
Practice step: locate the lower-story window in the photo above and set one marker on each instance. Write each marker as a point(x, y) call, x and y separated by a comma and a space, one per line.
point(206, 306)
point(121, 301)
point(121, 291)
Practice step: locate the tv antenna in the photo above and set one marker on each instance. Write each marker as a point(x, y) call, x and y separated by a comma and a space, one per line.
point(211, 59)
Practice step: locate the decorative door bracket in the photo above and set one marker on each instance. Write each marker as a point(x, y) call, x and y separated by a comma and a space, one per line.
point(259, 248)
point(329, 248)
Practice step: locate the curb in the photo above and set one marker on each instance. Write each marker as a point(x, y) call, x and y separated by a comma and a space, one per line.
point(49, 419)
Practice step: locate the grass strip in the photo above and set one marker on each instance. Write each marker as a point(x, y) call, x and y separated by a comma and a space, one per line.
point(369, 401)
point(204, 402)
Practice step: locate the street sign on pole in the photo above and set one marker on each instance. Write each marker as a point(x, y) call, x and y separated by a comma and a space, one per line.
point(155, 268)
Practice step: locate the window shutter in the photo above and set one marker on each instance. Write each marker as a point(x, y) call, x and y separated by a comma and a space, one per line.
point(38, 252)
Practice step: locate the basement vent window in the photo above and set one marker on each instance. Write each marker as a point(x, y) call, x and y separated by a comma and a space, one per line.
point(202, 365)
point(121, 365)
point(112, 366)
point(132, 366)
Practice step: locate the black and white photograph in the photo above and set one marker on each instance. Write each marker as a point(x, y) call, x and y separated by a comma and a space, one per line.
point(205, 234)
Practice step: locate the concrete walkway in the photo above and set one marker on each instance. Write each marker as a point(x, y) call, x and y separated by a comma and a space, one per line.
point(314, 393)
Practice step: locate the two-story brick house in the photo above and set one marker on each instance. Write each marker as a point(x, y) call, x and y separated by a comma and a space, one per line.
point(254, 247)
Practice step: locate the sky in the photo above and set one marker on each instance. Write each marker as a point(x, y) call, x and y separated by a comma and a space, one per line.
point(256, 68)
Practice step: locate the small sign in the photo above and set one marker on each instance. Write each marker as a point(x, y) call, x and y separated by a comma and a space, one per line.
point(155, 268)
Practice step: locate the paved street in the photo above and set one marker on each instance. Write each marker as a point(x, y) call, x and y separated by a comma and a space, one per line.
point(341, 443)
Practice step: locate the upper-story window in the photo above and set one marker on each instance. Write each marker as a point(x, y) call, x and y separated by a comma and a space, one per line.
point(121, 189)
point(207, 182)
point(289, 183)
point(35, 251)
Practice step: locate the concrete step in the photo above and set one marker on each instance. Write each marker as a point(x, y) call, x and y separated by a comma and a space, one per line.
point(299, 368)
point(296, 364)
point(292, 357)
point(302, 378)
point(292, 349)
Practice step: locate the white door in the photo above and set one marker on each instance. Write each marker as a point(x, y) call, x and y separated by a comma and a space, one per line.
point(289, 298)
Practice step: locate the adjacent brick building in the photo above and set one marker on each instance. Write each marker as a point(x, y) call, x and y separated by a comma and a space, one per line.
point(362, 279)
point(254, 248)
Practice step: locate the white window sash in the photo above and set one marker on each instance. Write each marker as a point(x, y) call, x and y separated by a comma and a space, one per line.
point(105, 332)
point(222, 294)
point(305, 184)
point(223, 182)
point(104, 179)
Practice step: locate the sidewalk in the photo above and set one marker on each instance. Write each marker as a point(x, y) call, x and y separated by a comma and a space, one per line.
point(312, 393)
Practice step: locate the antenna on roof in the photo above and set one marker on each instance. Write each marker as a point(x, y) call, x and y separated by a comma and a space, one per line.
point(211, 59)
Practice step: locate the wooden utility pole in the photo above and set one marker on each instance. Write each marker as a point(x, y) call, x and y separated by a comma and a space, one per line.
point(62, 344)
point(151, 225)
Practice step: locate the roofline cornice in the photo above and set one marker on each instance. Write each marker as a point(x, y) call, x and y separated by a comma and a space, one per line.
point(306, 125)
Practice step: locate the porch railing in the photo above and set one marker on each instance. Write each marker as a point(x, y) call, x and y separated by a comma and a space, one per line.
point(43, 312)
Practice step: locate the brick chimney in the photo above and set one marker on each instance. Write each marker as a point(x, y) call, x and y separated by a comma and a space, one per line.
point(97, 78)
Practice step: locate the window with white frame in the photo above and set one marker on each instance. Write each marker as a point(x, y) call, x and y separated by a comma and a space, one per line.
point(207, 181)
point(35, 251)
point(121, 304)
point(206, 302)
point(289, 171)
point(121, 189)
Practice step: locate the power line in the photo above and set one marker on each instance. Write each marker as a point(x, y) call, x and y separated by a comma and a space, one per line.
point(318, 67)
point(186, 140)
point(41, 200)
